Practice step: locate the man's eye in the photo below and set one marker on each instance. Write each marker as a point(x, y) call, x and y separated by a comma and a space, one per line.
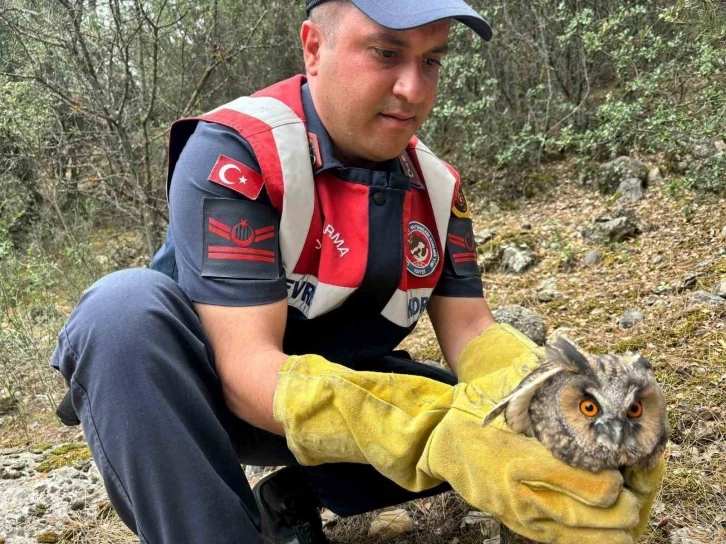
point(434, 62)
point(386, 54)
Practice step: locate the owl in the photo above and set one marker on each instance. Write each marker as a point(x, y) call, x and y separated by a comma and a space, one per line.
point(592, 412)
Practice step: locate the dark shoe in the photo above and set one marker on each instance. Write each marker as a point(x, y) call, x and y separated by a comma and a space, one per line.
point(290, 513)
point(65, 411)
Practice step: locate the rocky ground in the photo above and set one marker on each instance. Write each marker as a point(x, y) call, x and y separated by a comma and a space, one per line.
point(642, 268)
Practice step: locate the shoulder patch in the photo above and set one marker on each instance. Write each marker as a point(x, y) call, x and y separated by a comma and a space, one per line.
point(237, 176)
point(461, 206)
point(462, 247)
point(240, 240)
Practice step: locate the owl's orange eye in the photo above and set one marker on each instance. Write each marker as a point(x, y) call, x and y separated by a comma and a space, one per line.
point(636, 409)
point(589, 408)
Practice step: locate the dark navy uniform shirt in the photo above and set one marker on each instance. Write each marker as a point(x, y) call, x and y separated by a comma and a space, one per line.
point(350, 333)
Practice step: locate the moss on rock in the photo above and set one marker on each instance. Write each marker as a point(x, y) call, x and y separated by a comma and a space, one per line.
point(68, 454)
point(49, 537)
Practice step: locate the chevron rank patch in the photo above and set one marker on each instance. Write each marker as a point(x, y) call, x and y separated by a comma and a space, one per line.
point(241, 240)
point(461, 247)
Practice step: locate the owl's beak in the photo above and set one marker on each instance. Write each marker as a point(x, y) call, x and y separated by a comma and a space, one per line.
point(611, 434)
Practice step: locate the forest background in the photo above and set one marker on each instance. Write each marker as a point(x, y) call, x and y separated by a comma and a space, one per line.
point(89, 89)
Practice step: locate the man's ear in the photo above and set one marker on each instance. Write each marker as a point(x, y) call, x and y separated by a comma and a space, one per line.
point(312, 40)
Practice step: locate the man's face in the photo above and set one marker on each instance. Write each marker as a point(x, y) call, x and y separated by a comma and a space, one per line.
point(373, 87)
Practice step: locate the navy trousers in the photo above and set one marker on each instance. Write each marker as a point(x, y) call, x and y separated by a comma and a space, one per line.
point(144, 385)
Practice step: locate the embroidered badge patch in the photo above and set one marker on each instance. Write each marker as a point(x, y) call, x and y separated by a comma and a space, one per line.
point(236, 176)
point(240, 240)
point(461, 206)
point(422, 256)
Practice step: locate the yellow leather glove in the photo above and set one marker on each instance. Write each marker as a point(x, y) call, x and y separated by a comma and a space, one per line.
point(499, 346)
point(418, 432)
point(645, 484)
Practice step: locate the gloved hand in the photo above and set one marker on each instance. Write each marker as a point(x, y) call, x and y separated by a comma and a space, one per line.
point(418, 432)
point(645, 484)
point(499, 346)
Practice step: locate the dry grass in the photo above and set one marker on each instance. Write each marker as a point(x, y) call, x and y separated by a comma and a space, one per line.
point(687, 346)
point(104, 530)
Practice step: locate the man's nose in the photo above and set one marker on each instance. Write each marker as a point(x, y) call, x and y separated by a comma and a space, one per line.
point(412, 84)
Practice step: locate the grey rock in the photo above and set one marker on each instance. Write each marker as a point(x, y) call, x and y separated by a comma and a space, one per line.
point(57, 492)
point(526, 226)
point(630, 190)
point(704, 297)
point(524, 320)
point(612, 228)
point(592, 258)
point(517, 259)
point(687, 283)
point(10, 474)
point(483, 236)
point(683, 536)
point(703, 151)
point(700, 154)
point(547, 292)
point(630, 319)
point(549, 296)
point(654, 176)
point(720, 288)
point(612, 173)
point(663, 289)
point(657, 259)
point(547, 283)
point(78, 505)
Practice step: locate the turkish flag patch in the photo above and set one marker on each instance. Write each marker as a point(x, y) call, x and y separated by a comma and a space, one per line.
point(236, 176)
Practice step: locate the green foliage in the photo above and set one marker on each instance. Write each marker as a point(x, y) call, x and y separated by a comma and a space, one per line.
point(596, 79)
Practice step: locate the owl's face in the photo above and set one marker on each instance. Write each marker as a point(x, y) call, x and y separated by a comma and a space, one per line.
point(611, 415)
point(593, 412)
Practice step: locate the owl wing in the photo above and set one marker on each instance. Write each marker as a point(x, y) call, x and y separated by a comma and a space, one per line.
point(562, 356)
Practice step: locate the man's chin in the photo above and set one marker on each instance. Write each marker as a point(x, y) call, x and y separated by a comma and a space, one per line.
point(387, 153)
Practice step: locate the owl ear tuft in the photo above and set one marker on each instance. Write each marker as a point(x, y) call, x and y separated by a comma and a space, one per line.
point(516, 405)
point(565, 354)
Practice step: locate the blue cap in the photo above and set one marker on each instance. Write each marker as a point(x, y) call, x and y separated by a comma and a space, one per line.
point(406, 14)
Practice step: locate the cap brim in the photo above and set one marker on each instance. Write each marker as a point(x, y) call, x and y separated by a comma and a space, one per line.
point(407, 14)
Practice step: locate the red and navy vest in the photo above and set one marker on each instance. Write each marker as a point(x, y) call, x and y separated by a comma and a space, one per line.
point(326, 225)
